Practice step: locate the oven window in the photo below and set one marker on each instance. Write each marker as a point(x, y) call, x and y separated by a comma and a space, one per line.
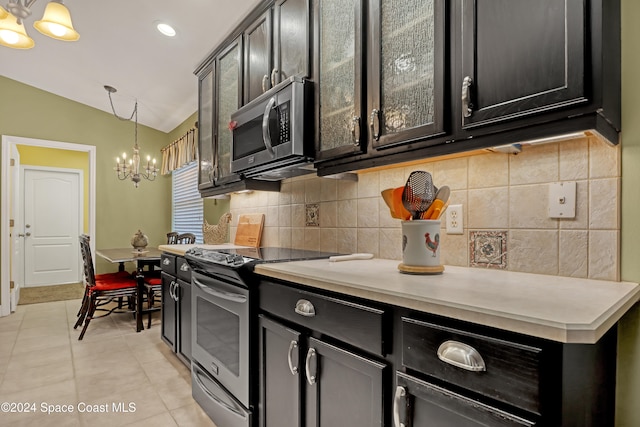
point(218, 333)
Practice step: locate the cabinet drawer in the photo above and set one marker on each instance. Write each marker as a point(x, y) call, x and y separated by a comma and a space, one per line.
point(503, 370)
point(183, 269)
point(168, 263)
point(352, 323)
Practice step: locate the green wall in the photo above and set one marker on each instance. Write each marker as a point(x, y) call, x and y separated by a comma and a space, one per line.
point(121, 209)
point(628, 390)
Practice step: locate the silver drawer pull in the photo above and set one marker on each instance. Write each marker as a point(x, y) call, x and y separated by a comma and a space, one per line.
point(293, 346)
point(401, 394)
point(461, 355)
point(305, 308)
point(311, 378)
point(166, 261)
point(184, 267)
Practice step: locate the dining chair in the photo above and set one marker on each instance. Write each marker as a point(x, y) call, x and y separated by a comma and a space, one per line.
point(153, 281)
point(99, 277)
point(99, 293)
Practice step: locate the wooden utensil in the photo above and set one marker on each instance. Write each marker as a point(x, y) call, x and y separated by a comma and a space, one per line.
point(436, 207)
point(249, 232)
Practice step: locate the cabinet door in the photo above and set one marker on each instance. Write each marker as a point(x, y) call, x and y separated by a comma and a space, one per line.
point(257, 57)
point(168, 310)
point(229, 95)
point(520, 57)
point(184, 324)
point(343, 388)
point(281, 375)
point(338, 55)
point(419, 403)
point(205, 128)
point(291, 48)
point(406, 70)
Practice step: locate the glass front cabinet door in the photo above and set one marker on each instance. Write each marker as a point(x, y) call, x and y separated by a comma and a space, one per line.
point(406, 61)
point(205, 127)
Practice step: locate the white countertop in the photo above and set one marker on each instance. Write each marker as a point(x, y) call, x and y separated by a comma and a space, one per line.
point(557, 308)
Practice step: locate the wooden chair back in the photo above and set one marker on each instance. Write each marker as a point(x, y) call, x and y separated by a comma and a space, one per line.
point(172, 238)
point(186, 238)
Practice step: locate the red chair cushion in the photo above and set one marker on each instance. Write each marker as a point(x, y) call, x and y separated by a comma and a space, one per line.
point(112, 285)
point(113, 276)
point(153, 281)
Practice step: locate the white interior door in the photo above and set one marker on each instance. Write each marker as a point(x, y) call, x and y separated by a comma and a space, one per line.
point(52, 223)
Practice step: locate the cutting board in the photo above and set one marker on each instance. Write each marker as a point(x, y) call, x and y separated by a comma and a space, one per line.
point(249, 232)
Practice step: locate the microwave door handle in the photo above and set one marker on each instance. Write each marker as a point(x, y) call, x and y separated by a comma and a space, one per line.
point(266, 136)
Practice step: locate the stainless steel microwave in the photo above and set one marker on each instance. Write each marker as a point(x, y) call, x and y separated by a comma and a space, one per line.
point(273, 133)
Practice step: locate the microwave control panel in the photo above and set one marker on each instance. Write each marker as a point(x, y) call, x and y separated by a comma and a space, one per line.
point(284, 123)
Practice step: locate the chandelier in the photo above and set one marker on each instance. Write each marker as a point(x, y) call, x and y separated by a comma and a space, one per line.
point(55, 23)
point(131, 169)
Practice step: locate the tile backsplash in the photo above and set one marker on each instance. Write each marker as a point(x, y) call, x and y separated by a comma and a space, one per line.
point(503, 195)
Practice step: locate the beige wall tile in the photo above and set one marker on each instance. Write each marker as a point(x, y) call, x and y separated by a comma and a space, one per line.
point(297, 237)
point(328, 189)
point(488, 208)
point(329, 214)
point(284, 216)
point(451, 172)
point(386, 220)
point(271, 216)
point(604, 159)
point(270, 236)
point(529, 207)
point(392, 178)
point(312, 190)
point(368, 185)
point(490, 170)
point(455, 249)
point(603, 197)
point(312, 238)
point(533, 251)
point(348, 240)
point(347, 215)
point(298, 215)
point(368, 212)
point(573, 253)
point(390, 243)
point(285, 237)
point(368, 240)
point(297, 192)
point(286, 189)
point(574, 159)
point(347, 189)
point(329, 239)
point(604, 255)
point(536, 164)
point(273, 198)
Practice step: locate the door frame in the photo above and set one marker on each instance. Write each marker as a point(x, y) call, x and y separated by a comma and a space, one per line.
point(69, 171)
point(5, 254)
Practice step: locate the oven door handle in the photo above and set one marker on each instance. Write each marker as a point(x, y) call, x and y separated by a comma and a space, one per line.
point(217, 399)
point(229, 296)
point(266, 136)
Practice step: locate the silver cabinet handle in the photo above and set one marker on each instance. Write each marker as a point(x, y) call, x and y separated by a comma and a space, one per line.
point(461, 355)
point(401, 393)
point(467, 106)
point(374, 123)
point(305, 308)
point(176, 292)
point(311, 379)
point(166, 261)
point(265, 80)
point(266, 136)
point(274, 74)
point(184, 267)
point(292, 347)
point(171, 294)
point(355, 130)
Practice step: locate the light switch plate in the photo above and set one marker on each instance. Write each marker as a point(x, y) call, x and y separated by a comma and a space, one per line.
point(562, 200)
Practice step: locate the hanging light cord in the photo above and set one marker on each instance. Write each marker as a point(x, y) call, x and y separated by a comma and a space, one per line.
point(110, 90)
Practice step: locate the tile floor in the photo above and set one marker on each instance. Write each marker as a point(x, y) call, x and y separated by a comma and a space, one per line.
point(43, 363)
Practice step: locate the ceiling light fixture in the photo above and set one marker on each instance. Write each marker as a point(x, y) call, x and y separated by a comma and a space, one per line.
point(166, 29)
point(131, 169)
point(55, 23)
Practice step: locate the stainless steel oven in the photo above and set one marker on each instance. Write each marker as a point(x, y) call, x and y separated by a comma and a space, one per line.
point(220, 349)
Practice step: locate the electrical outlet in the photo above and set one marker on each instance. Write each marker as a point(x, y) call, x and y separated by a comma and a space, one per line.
point(455, 224)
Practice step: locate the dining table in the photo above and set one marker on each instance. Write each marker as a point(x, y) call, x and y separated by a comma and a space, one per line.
point(148, 257)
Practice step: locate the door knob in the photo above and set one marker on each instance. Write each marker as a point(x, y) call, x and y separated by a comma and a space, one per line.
point(27, 234)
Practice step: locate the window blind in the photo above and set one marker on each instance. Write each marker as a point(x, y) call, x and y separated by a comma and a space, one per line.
point(186, 213)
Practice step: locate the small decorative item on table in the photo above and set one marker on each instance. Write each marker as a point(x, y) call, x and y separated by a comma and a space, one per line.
point(139, 242)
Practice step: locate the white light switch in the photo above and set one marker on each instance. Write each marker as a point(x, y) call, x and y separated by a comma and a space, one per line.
point(562, 200)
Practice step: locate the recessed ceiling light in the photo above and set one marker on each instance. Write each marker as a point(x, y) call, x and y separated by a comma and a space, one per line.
point(166, 29)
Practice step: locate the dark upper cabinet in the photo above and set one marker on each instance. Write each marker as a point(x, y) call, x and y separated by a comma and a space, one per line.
point(206, 80)
point(406, 69)
point(520, 57)
point(338, 55)
point(276, 47)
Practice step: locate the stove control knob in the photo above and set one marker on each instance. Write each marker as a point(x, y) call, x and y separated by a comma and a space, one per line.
point(238, 260)
point(229, 259)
